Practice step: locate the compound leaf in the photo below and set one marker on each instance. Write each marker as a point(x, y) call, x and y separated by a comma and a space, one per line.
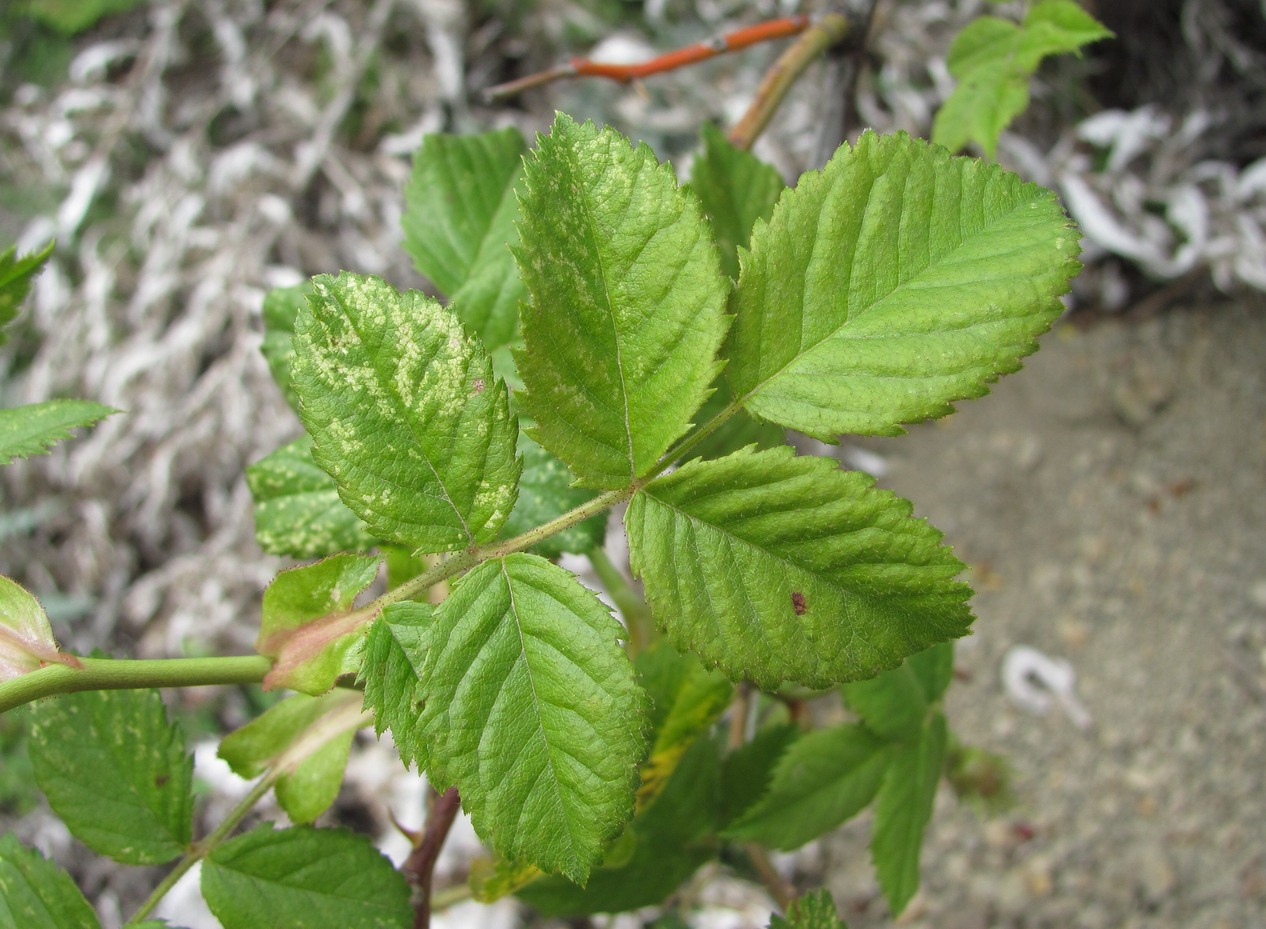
point(459, 212)
point(297, 507)
point(16, 274)
point(523, 658)
point(903, 810)
point(36, 894)
point(305, 622)
point(627, 304)
point(892, 283)
point(395, 650)
point(404, 414)
point(735, 188)
point(824, 778)
point(304, 877)
point(781, 568)
point(116, 772)
point(35, 428)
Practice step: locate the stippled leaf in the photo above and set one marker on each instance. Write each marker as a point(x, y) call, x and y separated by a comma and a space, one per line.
point(523, 655)
point(781, 568)
point(16, 274)
point(892, 283)
point(304, 877)
point(394, 653)
point(627, 304)
point(36, 894)
point(35, 428)
point(404, 414)
point(308, 626)
point(736, 188)
point(460, 208)
point(116, 772)
point(297, 507)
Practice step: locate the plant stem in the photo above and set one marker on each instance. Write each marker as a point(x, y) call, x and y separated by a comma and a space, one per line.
point(201, 849)
point(637, 615)
point(827, 31)
point(673, 455)
point(420, 866)
point(126, 674)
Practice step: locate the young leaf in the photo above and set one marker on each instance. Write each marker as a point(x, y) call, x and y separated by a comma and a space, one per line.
point(666, 843)
point(459, 212)
point(892, 283)
point(736, 188)
point(812, 911)
point(281, 309)
point(306, 625)
point(781, 568)
point(35, 428)
point(305, 738)
point(26, 638)
point(317, 878)
point(993, 60)
point(824, 778)
point(116, 772)
point(545, 491)
point(627, 307)
point(395, 650)
point(903, 810)
point(521, 650)
point(36, 894)
point(404, 414)
point(894, 705)
point(16, 274)
point(297, 508)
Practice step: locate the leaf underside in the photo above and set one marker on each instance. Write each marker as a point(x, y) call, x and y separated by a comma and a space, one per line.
point(892, 283)
point(532, 711)
point(781, 568)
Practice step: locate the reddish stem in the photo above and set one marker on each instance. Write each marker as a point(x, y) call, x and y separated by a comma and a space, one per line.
point(419, 868)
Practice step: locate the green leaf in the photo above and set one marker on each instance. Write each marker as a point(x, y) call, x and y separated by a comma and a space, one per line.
point(812, 911)
point(739, 431)
point(748, 770)
point(35, 428)
point(305, 738)
point(665, 844)
point(892, 283)
point(304, 878)
point(281, 309)
point(895, 704)
point(116, 772)
point(459, 214)
point(36, 894)
point(823, 779)
point(994, 59)
point(525, 658)
point(306, 624)
point(26, 638)
point(297, 507)
point(16, 275)
point(735, 188)
point(903, 811)
point(627, 306)
point(781, 568)
point(545, 491)
point(395, 650)
point(404, 414)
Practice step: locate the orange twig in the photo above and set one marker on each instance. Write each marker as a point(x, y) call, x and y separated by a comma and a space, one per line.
point(669, 61)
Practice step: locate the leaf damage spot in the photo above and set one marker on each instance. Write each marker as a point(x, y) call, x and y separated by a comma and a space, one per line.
point(798, 603)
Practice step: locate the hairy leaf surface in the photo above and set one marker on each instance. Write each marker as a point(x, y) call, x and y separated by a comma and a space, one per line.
point(459, 214)
point(36, 894)
point(736, 188)
point(297, 507)
point(405, 414)
point(777, 568)
point(35, 428)
point(313, 878)
point(116, 772)
point(395, 651)
point(903, 810)
point(627, 304)
point(532, 711)
point(892, 283)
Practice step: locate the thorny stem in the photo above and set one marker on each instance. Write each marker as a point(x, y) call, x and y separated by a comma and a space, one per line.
point(419, 868)
point(827, 31)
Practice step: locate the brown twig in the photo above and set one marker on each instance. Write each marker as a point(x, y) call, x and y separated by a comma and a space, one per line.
point(669, 61)
point(419, 868)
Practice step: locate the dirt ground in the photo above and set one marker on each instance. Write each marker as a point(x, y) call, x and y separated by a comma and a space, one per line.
point(1110, 499)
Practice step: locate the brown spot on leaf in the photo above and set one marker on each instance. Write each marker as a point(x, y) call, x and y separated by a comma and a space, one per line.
point(478, 386)
point(798, 603)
